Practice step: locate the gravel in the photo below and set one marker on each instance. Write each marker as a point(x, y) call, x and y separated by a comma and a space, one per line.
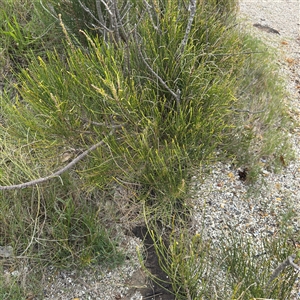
point(223, 203)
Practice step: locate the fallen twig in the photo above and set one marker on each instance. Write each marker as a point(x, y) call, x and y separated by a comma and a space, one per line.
point(249, 111)
point(285, 263)
point(57, 173)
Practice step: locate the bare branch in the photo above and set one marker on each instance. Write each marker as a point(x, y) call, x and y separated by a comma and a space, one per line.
point(291, 261)
point(175, 95)
point(279, 269)
point(107, 7)
point(148, 6)
point(115, 22)
point(110, 15)
point(249, 111)
point(99, 11)
point(48, 11)
point(119, 19)
point(192, 10)
point(57, 173)
point(99, 21)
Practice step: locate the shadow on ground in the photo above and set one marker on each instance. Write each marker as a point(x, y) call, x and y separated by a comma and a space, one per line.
point(153, 291)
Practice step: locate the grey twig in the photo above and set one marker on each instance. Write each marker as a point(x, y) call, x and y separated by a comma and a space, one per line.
point(100, 21)
point(119, 18)
point(48, 11)
point(148, 7)
point(164, 84)
point(248, 111)
point(57, 173)
point(99, 11)
point(285, 263)
point(114, 21)
point(291, 261)
point(266, 28)
point(192, 10)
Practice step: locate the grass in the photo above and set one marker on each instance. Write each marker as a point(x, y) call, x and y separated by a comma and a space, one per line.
point(251, 272)
point(159, 111)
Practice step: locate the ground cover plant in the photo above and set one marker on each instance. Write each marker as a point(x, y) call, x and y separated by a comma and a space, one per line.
point(127, 94)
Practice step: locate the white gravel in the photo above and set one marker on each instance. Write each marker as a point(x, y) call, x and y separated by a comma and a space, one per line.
point(223, 203)
point(99, 283)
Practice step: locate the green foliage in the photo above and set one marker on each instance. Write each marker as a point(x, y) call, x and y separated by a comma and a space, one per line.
point(262, 92)
point(79, 236)
point(11, 292)
point(62, 230)
point(18, 36)
point(98, 18)
point(184, 258)
point(66, 97)
point(250, 269)
point(234, 268)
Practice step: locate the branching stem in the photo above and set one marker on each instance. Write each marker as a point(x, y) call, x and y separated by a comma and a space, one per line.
point(164, 84)
point(288, 262)
point(192, 9)
point(57, 173)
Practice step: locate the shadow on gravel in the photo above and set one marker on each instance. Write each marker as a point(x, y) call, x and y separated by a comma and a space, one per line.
point(153, 291)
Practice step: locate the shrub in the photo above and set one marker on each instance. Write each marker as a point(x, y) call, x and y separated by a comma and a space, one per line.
point(154, 89)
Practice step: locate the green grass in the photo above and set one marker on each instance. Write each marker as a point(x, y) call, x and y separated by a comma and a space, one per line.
point(250, 271)
point(13, 291)
point(159, 111)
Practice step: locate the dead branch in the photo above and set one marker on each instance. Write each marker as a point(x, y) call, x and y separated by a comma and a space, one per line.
point(288, 262)
point(100, 19)
point(248, 111)
point(164, 84)
point(55, 174)
point(192, 10)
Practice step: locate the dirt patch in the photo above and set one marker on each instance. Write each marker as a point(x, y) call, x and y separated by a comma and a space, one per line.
point(155, 291)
